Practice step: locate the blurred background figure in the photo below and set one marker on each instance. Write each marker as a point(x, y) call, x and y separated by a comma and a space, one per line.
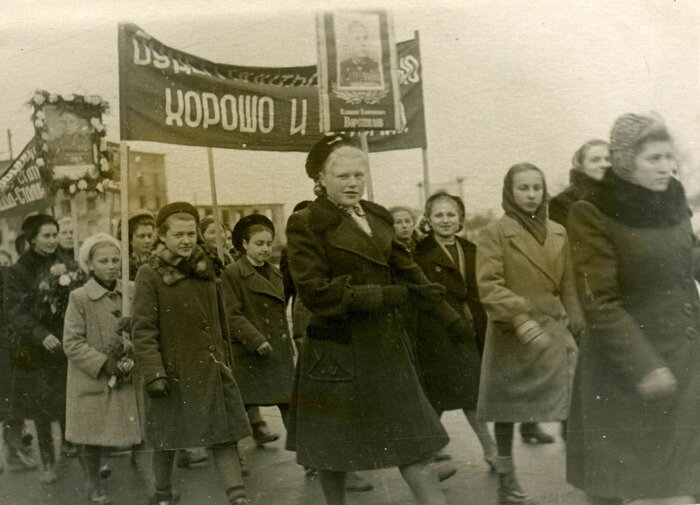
point(405, 226)
point(65, 237)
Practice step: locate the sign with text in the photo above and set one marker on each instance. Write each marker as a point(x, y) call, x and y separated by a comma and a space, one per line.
point(358, 80)
point(22, 183)
point(170, 96)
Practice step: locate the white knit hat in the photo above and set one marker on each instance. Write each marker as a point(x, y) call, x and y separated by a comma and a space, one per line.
point(89, 245)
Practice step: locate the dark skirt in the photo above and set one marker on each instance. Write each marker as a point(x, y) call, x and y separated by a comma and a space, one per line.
point(360, 406)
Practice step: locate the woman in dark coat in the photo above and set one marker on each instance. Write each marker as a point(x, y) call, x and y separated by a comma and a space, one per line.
point(254, 299)
point(141, 237)
point(634, 430)
point(181, 339)
point(358, 403)
point(450, 370)
point(590, 163)
point(35, 299)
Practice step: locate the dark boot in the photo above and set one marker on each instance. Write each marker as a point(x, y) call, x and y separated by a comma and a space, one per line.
point(509, 490)
point(262, 434)
point(533, 434)
point(355, 483)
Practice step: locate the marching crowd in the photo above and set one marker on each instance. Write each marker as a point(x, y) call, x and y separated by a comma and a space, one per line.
point(580, 309)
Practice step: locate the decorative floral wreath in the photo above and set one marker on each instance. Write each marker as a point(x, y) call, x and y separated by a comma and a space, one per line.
point(358, 97)
point(98, 178)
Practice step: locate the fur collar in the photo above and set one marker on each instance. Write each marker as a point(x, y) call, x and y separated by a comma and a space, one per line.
point(639, 207)
point(325, 215)
point(173, 268)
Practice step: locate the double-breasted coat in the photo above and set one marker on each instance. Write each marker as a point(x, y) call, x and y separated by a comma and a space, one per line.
point(256, 313)
point(96, 414)
point(641, 305)
point(357, 403)
point(180, 332)
point(450, 370)
point(517, 276)
point(38, 376)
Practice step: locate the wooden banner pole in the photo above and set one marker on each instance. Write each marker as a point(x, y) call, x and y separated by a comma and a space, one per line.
point(124, 219)
point(365, 148)
point(426, 174)
point(214, 203)
point(74, 219)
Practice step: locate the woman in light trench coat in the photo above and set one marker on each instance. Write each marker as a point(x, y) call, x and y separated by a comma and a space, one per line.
point(526, 284)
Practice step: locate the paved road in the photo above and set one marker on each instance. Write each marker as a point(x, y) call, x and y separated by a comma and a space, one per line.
point(277, 480)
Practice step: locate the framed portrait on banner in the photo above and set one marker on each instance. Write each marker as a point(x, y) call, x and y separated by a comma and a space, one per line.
point(358, 71)
point(71, 140)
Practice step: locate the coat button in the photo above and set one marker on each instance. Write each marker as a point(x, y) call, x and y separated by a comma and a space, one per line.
point(284, 335)
point(689, 309)
point(212, 348)
point(113, 296)
point(267, 321)
point(207, 328)
point(691, 333)
point(438, 269)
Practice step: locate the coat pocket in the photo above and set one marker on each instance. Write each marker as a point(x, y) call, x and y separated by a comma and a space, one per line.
point(329, 361)
point(170, 362)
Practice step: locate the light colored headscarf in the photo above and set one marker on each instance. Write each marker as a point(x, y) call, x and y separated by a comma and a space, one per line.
point(89, 245)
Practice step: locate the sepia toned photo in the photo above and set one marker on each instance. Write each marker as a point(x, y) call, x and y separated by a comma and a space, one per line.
point(319, 253)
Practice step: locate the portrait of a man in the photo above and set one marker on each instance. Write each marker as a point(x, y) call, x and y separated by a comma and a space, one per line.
point(359, 53)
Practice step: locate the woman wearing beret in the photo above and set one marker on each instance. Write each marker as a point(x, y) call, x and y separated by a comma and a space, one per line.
point(450, 370)
point(527, 287)
point(634, 435)
point(590, 163)
point(256, 309)
point(35, 299)
point(181, 338)
point(357, 403)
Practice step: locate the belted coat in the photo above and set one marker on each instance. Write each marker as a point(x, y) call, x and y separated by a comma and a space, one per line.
point(450, 370)
point(96, 414)
point(518, 276)
point(180, 332)
point(357, 402)
point(257, 314)
point(642, 308)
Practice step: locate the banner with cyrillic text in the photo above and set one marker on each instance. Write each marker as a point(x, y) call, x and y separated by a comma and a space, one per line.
point(171, 96)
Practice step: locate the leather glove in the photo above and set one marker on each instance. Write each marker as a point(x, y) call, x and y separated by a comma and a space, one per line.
point(461, 330)
point(394, 295)
point(426, 296)
point(110, 367)
point(158, 388)
point(124, 325)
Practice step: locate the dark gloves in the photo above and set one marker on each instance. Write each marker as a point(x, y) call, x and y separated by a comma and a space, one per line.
point(426, 296)
point(158, 388)
point(394, 295)
point(460, 330)
point(110, 367)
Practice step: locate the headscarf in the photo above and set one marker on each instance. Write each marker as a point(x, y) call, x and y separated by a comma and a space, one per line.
point(535, 224)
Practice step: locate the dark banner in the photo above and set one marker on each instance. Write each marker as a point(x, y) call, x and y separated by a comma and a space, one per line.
point(358, 84)
point(22, 184)
point(170, 96)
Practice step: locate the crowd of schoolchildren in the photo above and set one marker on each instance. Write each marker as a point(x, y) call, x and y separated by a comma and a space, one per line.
point(580, 309)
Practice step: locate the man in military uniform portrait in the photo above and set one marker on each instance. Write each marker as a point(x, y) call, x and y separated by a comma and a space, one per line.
point(359, 68)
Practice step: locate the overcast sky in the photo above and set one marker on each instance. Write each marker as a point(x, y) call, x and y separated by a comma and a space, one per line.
point(504, 81)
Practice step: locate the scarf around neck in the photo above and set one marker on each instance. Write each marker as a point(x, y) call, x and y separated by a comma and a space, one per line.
point(173, 267)
point(638, 207)
point(535, 224)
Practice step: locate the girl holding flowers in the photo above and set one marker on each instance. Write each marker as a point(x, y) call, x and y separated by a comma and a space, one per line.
point(101, 408)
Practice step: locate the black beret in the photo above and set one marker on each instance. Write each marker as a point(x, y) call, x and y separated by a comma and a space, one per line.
point(322, 149)
point(246, 222)
point(176, 208)
point(31, 224)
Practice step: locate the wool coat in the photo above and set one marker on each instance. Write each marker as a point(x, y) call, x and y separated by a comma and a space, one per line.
point(38, 377)
point(450, 370)
point(181, 333)
point(517, 276)
point(257, 314)
point(5, 365)
point(580, 185)
point(641, 305)
point(357, 402)
point(96, 414)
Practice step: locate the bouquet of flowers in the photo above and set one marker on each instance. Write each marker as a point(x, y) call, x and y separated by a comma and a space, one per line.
point(54, 287)
point(121, 350)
